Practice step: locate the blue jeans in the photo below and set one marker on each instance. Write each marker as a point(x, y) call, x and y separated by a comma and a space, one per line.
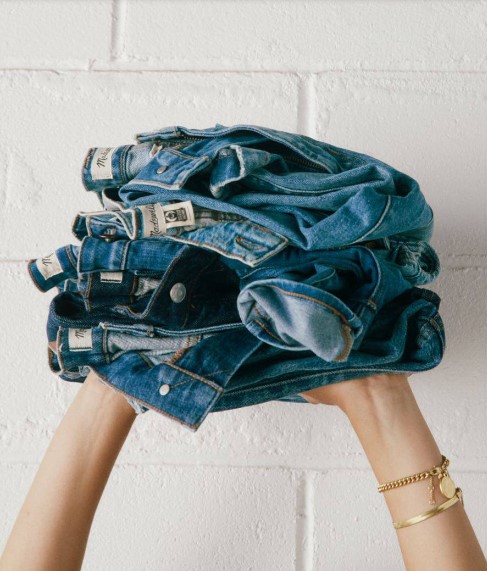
point(236, 265)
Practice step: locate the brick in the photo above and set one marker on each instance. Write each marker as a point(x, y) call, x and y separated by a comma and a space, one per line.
point(52, 33)
point(51, 120)
point(170, 517)
point(305, 36)
point(353, 528)
point(430, 126)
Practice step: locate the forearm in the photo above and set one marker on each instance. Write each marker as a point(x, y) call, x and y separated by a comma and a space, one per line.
point(398, 443)
point(52, 528)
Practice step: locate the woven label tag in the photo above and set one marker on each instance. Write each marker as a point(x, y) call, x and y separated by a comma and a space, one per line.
point(111, 277)
point(80, 339)
point(158, 218)
point(49, 266)
point(101, 165)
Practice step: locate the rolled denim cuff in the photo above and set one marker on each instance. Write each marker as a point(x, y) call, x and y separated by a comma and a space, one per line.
point(51, 270)
point(114, 166)
point(298, 317)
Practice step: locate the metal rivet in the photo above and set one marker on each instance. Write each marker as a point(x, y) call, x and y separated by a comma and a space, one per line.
point(160, 170)
point(178, 292)
point(109, 234)
point(164, 390)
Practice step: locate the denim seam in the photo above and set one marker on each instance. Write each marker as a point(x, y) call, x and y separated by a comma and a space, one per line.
point(145, 359)
point(265, 329)
point(157, 290)
point(125, 253)
point(325, 278)
point(265, 317)
point(87, 292)
point(196, 377)
point(301, 295)
point(379, 222)
point(33, 260)
point(438, 323)
point(251, 244)
point(68, 253)
point(345, 329)
point(185, 156)
point(104, 335)
point(220, 371)
point(433, 327)
point(180, 352)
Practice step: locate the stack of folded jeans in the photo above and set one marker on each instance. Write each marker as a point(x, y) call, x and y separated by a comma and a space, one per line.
point(231, 266)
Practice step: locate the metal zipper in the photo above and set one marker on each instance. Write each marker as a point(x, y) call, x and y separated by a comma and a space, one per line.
point(289, 157)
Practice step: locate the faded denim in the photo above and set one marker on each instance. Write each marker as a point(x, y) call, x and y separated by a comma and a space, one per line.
point(236, 265)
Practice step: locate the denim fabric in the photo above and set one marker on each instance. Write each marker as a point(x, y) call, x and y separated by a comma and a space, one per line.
point(408, 335)
point(289, 188)
point(320, 300)
point(231, 266)
point(393, 331)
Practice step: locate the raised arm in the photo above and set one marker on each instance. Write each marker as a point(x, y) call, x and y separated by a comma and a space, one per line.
point(52, 528)
point(397, 441)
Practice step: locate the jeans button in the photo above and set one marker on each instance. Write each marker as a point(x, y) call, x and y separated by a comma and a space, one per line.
point(178, 292)
point(164, 389)
point(160, 170)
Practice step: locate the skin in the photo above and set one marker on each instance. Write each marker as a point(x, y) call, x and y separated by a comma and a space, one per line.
point(397, 442)
point(52, 528)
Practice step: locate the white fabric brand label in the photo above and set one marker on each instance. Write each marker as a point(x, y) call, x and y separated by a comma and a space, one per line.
point(111, 277)
point(158, 218)
point(49, 266)
point(80, 339)
point(101, 164)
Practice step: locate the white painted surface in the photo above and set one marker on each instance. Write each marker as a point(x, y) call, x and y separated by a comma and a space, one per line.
point(267, 487)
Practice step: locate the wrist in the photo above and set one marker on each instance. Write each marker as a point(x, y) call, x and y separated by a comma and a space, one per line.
point(104, 396)
point(391, 428)
point(378, 394)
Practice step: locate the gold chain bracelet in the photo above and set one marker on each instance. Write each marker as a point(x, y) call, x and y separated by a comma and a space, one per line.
point(447, 485)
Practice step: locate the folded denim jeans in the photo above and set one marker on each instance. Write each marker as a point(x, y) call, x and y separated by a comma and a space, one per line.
point(291, 187)
point(404, 332)
point(233, 368)
point(78, 350)
point(239, 265)
point(320, 300)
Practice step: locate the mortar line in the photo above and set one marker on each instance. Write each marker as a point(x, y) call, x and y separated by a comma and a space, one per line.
point(309, 470)
point(119, 10)
point(305, 522)
point(88, 67)
point(306, 105)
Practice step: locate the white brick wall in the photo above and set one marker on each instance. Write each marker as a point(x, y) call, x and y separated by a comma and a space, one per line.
point(267, 487)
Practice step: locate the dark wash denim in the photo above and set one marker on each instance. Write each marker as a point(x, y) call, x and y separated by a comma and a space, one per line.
point(300, 263)
point(396, 326)
point(319, 300)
